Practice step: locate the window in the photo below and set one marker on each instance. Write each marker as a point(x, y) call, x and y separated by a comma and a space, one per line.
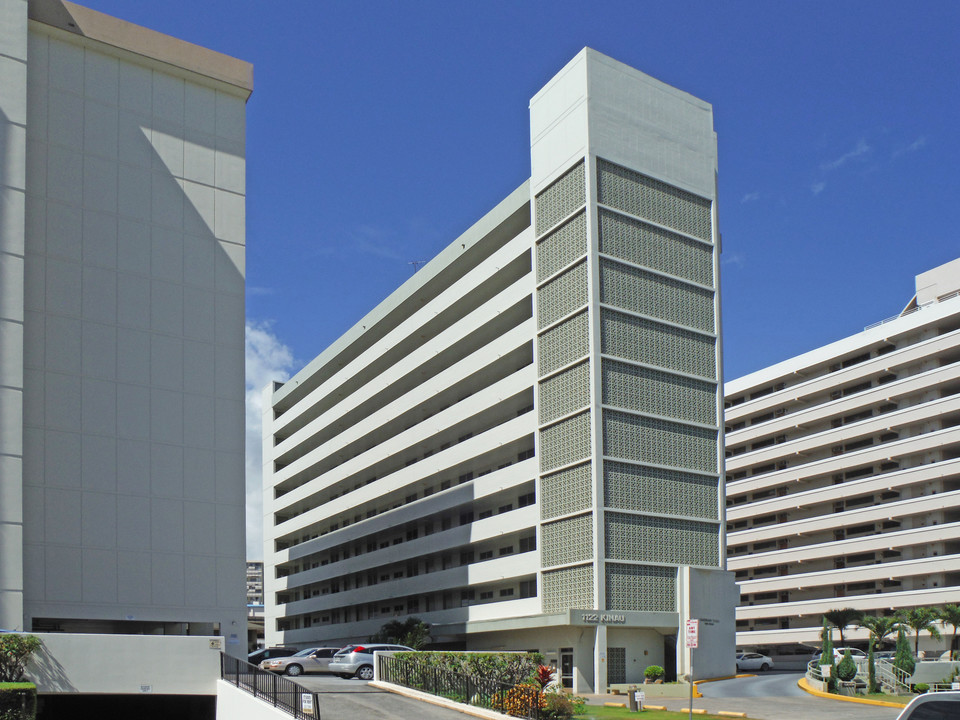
point(506, 592)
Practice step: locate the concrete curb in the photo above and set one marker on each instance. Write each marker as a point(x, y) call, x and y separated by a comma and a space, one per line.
point(803, 685)
point(442, 702)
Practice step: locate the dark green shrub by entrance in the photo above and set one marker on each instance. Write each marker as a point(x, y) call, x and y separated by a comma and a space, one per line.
point(846, 668)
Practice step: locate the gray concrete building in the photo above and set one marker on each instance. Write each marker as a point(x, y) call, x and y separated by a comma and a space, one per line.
point(121, 330)
point(521, 444)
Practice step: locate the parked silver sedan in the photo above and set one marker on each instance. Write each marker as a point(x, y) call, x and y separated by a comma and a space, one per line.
point(358, 659)
point(311, 660)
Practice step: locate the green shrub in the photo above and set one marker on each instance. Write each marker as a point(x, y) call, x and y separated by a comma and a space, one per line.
point(653, 672)
point(558, 706)
point(921, 688)
point(15, 651)
point(904, 656)
point(826, 656)
point(18, 701)
point(846, 668)
point(509, 668)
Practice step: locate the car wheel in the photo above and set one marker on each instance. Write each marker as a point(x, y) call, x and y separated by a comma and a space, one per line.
point(294, 670)
point(764, 667)
point(365, 672)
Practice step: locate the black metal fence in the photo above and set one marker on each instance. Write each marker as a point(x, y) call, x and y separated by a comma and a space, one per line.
point(269, 687)
point(522, 701)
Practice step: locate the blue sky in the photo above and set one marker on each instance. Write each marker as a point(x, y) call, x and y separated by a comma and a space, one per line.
point(378, 131)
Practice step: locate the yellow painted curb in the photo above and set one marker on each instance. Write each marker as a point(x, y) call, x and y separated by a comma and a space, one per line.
point(727, 713)
point(654, 707)
point(695, 711)
point(609, 704)
point(805, 686)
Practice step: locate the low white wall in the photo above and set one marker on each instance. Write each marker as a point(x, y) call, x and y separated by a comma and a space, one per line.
point(233, 703)
point(126, 664)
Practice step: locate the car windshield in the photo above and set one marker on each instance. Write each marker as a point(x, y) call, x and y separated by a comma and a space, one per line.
point(302, 653)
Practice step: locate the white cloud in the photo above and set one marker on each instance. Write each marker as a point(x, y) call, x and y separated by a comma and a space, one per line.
point(268, 359)
point(750, 197)
point(860, 150)
point(817, 188)
point(912, 147)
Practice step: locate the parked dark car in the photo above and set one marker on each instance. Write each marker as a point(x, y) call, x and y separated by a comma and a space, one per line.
point(258, 656)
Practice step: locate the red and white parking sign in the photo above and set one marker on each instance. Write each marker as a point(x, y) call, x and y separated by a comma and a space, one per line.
point(692, 633)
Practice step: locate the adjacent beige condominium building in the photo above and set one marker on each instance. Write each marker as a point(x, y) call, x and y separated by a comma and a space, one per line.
point(121, 344)
point(843, 475)
point(520, 445)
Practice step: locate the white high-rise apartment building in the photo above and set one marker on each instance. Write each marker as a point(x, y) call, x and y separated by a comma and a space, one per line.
point(520, 445)
point(843, 475)
point(121, 334)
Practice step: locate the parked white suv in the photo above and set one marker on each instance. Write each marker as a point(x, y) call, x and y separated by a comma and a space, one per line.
point(358, 659)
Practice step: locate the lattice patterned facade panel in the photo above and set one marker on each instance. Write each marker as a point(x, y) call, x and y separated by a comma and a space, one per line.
point(661, 491)
point(563, 344)
point(562, 246)
point(567, 491)
point(660, 393)
point(649, 294)
point(637, 194)
point(565, 442)
point(565, 392)
point(566, 541)
point(651, 440)
point(562, 197)
point(616, 665)
point(648, 538)
point(562, 295)
point(648, 245)
point(649, 342)
point(568, 588)
point(644, 588)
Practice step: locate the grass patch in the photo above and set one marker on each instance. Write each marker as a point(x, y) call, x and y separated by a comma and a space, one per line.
point(598, 712)
point(887, 697)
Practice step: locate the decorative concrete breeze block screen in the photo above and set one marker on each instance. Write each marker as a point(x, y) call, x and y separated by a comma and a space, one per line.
point(644, 244)
point(649, 538)
point(566, 541)
point(567, 491)
point(641, 587)
point(660, 297)
point(658, 490)
point(562, 295)
point(562, 246)
point(646, 390)
point(561, 198)
point(652, 440)
point(649, 342)
point(565, 392)
point(568, 588)
point(565, 442)
point(645, 197)
point(562, 344)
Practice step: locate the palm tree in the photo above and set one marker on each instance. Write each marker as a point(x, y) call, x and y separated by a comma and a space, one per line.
point(842, 619)
point(950, 615)
point(880, 627)
point(918, 620)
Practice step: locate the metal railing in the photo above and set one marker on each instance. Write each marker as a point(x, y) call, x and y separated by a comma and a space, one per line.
point(274, 689)
point(517, 700)
point(891, 677)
